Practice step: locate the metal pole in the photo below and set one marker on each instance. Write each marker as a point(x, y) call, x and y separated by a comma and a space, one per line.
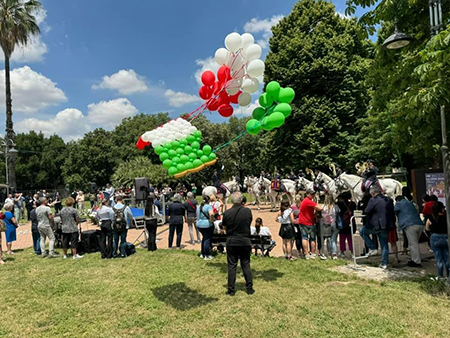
point(6, 163)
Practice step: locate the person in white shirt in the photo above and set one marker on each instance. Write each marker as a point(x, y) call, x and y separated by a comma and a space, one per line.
point(287, 232)
point(261, 230)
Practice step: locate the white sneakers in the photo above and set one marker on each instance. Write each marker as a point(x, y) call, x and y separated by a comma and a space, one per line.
point(208, 258)
point(77, 256)
point(65, 256)
point(372, 253)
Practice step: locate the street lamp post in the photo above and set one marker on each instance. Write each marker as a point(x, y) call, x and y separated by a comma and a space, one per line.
point(8, 152)
point(395, 41)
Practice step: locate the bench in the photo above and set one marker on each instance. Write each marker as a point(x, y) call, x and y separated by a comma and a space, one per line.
point(263, 243)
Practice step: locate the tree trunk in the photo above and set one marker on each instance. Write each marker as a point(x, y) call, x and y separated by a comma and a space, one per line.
point(10, 135)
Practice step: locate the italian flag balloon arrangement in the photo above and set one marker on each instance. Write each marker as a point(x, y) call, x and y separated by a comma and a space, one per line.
point(178, 145)
point(275, 108)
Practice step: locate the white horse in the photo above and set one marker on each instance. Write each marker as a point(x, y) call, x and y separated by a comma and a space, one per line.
point(330, 184)
point(352, 183)
point(254, 187)
point(304, 184)
point(232, 186)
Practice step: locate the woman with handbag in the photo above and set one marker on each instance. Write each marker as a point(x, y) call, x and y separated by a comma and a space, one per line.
point(11, 226)
point(151, 221)
point(105, 214)
point(330, 230)
point(287, 232)
point(205, 225)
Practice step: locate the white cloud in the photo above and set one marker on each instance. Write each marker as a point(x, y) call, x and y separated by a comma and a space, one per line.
point(70, 124)
point(126, 82)
point(256, 26)
point(247, 111)
point(108, 114)
point(343, 15)
point(31, 91)
point(179, 99)
point(206, 64)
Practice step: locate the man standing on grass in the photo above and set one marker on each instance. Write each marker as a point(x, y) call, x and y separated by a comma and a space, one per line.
point(122, 221)
point(237, 222)
point(306, 219)
point(45, 219)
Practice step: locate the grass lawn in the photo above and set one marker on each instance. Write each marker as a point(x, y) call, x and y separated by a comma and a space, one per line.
point(176, 294)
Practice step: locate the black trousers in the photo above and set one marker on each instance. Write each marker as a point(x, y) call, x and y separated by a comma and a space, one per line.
point(179, 228)
point(234, 254)
point(151, 226)
point(106, 239)
point(298, 238)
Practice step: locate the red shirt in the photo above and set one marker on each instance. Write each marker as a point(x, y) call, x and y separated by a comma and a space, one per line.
point(307, 212)
point(427, 208)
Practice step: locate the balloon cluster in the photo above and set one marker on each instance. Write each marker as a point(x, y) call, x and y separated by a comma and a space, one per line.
point(178, 145)
point(240, 65)
point(275, 107)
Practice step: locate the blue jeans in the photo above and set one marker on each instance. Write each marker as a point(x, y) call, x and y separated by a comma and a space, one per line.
point(332, 241)
point(439, 245)
point(207, 234)
point(123, 242)
point(383, 236)
point(36, 241)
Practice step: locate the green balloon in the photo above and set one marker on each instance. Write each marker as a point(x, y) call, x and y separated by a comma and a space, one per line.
point(192, 156)
point(253, 127)
point(265, 100)
point(197, 163)
point(204, 159)
point(265, 124)
point(271, 109)
point(197, 134)
point(167, 146)
point(258, 113)
point(183, 142)
point(212, 156)
point(284, 108)
point(190, 139)
point(273, 89)
point(195, 145)
point(159, 150)
point(163, 156)
point(187, 149)
point(180, 151)
point(188, 165)
point(173, 171)
point(167, 164)
point(175, 144)
point(172, 153)
point(198, 139)
point(176, 160)
point(207, 149)
point(184, 158)
point(286, 95)
point(181, 167)
point(276, 120)
point(200, 153)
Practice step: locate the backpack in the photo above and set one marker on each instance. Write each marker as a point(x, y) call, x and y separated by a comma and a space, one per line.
point(120, 221)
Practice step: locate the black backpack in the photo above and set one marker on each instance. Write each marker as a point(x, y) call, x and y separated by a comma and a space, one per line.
point(120, 220)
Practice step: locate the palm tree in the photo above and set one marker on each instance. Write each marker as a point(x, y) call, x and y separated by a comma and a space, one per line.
point(17, 25)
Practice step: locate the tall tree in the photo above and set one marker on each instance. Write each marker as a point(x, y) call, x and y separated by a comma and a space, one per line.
point(324, 58)
point(17, 25)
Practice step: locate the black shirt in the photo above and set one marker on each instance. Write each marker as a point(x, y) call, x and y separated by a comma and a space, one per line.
point(176, 213)
point(191, 209)
point(237, 221)
point(439, 226)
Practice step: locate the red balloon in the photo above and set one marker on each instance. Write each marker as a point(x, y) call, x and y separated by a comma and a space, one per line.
point(224, 98)
point(205, 92)
point(217, 87)
point(213, 105)
point(234, 98)
point(226, 110)
point(208, 78)
point(224, 73)
point(141, 144)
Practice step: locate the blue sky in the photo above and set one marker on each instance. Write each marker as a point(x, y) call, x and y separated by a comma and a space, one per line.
point(99, 61)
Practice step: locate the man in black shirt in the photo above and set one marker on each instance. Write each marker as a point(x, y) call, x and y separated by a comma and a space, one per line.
point(237, 223)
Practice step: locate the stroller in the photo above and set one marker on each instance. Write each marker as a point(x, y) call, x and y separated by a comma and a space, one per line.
point(58, 231)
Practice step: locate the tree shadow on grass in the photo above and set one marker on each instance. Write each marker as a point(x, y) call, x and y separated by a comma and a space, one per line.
point(181, 297)
point(266, 275)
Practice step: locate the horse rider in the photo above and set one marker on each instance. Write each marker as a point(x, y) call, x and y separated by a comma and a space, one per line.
point(237, 179)
point(216, 181)
point(370, 176)
point(292, 176)
point(339, 170)
point(318, 185)
point(301, 173)
point(277, 184)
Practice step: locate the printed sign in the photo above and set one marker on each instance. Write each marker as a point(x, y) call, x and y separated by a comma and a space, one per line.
point(435, 185)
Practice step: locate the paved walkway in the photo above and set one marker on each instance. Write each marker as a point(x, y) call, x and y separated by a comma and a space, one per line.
point(24, 240)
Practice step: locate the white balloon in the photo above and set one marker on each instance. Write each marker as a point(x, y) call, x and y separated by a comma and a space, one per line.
point(244, 99)
point(222, 56)
point(255, 68)
point(250, 85)
point(247, 40)
point(233, 42)
point(238, 74)
point(232, 91)
point(147, 137)
point(156, 143)
point(237, 63)
point(253, 52)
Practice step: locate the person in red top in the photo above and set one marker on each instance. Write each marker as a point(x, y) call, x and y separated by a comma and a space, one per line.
point(307, 223)
point(428, 202)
